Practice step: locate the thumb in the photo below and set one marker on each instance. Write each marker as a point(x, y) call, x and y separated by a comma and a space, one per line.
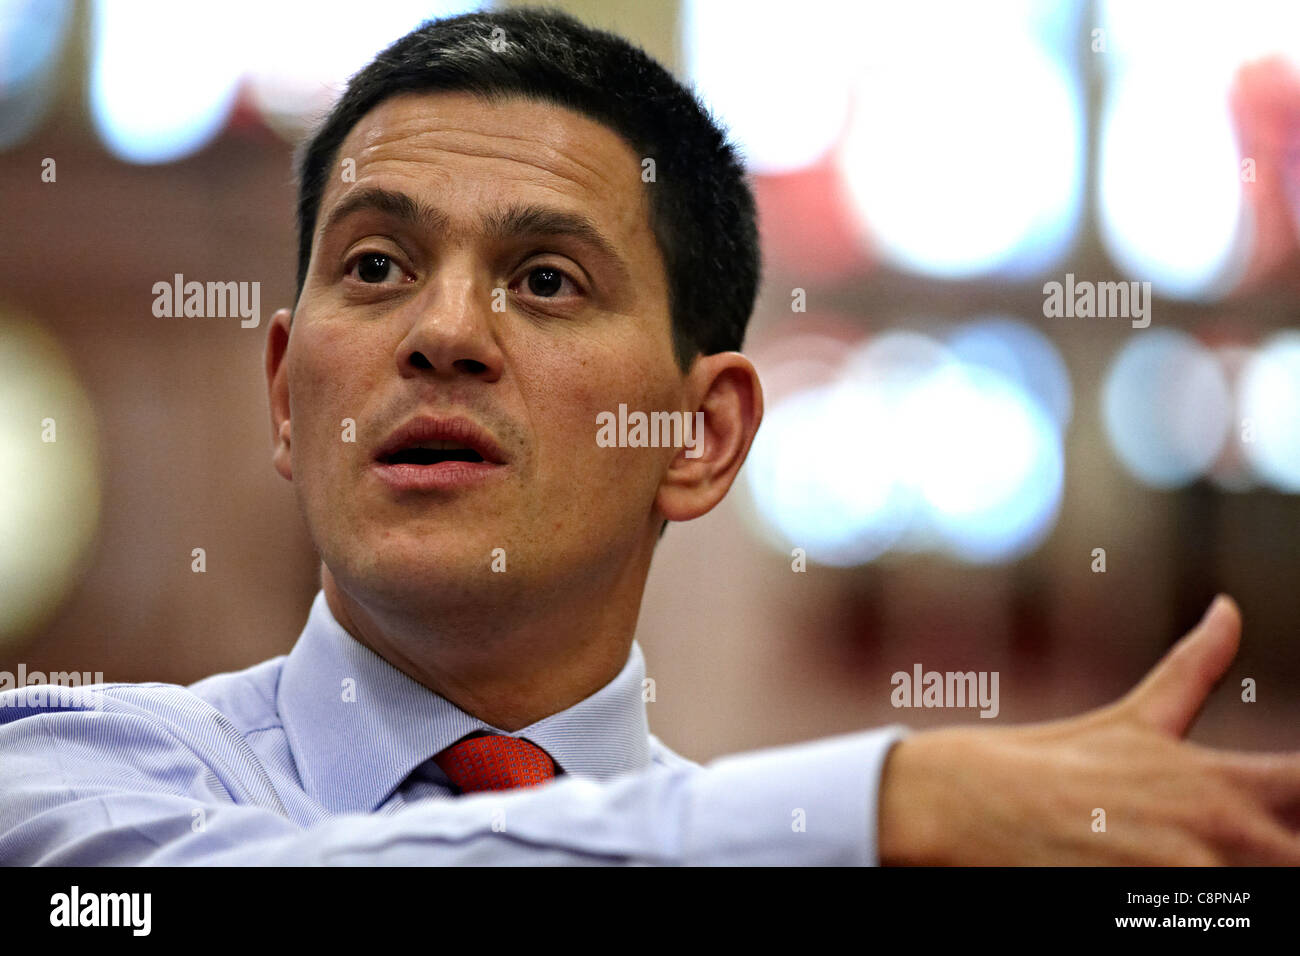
point(1173, 692)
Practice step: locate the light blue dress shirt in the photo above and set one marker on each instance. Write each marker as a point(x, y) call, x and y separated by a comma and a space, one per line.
point(323, 756)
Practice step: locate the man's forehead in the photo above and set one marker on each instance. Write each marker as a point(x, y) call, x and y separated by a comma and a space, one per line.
point(433, 138)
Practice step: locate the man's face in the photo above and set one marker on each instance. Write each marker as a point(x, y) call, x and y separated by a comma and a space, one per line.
point(489, 264)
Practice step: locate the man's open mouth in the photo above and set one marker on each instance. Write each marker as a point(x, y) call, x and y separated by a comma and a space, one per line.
point(431, 453)
point(438, 454)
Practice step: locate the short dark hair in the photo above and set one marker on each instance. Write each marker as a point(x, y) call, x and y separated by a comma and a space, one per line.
point(702, 210)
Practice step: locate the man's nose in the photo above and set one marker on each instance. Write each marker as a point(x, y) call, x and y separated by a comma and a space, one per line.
point(453, 330)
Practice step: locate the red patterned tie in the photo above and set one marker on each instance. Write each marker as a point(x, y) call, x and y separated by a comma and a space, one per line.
point(495, 762)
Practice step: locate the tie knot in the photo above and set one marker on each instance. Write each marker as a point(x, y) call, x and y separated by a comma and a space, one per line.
point(495, 762)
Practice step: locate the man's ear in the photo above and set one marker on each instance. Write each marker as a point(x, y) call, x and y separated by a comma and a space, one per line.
point(728, 395)
point(277, 390)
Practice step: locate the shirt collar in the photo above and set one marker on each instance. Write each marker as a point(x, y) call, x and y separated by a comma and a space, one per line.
point(358, 726)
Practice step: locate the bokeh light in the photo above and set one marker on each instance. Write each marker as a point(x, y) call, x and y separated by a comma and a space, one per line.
point(991, 471)
point(913, 448)
point(1021, 354)
point(781, 119)
point(962, 163)
point(1270, 406)
point(163, 76)
point(1169, 199)
point(292, 91)
point(32, 33)
point(49, 490)
point(1166, 407)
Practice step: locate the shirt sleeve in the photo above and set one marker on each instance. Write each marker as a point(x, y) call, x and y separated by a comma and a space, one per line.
point(72, 795)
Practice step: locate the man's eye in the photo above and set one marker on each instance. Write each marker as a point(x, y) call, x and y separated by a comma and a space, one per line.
point(547, 282)
point(373, 267)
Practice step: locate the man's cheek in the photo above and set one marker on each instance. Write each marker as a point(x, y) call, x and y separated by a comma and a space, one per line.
point(613, 475)
point(570, 419)
point(577, 403)
point(329, 403)
point(578, 474)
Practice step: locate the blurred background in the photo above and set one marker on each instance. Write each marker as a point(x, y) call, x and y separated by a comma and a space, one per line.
point(949, 474)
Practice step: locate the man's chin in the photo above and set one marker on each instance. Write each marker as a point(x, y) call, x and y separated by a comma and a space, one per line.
point(422, 571)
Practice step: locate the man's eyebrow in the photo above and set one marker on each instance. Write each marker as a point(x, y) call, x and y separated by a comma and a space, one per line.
point(396, 205)
point(518, 221)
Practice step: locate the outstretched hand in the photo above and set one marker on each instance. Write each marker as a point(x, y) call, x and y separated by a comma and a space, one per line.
point(1115, 786)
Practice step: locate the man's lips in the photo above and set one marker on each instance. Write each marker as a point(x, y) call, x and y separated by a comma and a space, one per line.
point(427, 454)
point(426, 441)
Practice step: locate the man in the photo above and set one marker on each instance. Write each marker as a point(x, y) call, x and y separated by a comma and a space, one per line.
point(511, 225)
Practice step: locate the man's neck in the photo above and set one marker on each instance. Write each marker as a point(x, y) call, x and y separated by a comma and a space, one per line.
point(508, 671)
